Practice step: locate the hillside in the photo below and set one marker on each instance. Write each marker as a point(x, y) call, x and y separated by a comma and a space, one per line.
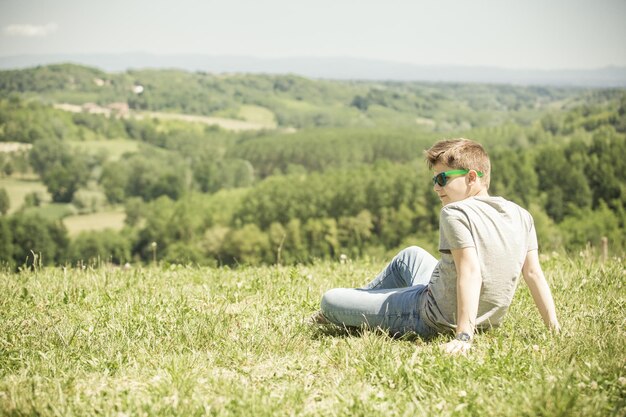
point(155, 164)
point(294, 101)
point(335, 68)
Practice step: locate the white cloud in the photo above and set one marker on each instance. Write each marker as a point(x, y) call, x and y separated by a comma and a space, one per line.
point(30, 31)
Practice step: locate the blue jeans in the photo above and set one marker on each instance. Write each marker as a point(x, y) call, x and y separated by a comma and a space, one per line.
point(390, 301)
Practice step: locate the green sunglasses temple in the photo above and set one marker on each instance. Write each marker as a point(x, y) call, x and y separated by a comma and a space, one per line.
point(446, 174)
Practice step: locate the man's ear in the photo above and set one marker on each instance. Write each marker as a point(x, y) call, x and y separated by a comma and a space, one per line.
point(472, 177)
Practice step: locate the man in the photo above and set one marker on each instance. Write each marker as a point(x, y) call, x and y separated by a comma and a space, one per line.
point(485, 242)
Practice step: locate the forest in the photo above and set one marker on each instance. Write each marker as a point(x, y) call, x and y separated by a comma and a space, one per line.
point(331, 169)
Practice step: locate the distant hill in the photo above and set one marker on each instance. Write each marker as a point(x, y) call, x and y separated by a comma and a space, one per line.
point(339, 68)
point(291, 101)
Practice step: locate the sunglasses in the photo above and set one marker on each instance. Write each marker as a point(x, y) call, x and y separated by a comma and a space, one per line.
point(441, 179)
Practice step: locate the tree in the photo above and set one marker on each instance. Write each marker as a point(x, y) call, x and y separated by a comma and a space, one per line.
point(586, 226)
point(322, 237)
point(277, 236)
point(5, 202)
point(606, 167)
point(355, 232)
point(167, 222)
point(106, 246)
point(37, 240)
point(563, 180)
point(63, 180)
point(513, 176)
point(113, 181)
point(360, 103)
point(148, 175)
point(62, 171)
point(248, 246)
point(6, 242)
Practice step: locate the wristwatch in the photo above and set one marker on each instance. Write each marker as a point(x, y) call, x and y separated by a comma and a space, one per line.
point(463, 337)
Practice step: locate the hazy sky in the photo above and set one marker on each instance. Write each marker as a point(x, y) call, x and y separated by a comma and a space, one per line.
point(539, 34)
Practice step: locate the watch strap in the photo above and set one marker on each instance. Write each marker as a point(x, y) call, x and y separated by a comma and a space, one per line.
point(463, 337)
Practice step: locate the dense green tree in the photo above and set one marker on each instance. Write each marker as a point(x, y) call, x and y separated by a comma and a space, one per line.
point(148, 175)
point(113, 180)
point(513, 176)
point(185, 254)
point(606, 168)
point(277, 236)
point(564, 182)
point(6, 243)
point(322, 238)
point(33, 199)
point(394, 224)
point(28, 121)
point(549, 235)
point(619, 119)
point(294, 248)
point(61, 170)
point(103, 246)
point(247, 246)
point(167, 222)
point(586, 226)
point(360, 103)
point(7, 168)
point(37, 240)
point(133, 207)
point(355, 232)
point(5, 202)
point(323, 149)
point(63, 180)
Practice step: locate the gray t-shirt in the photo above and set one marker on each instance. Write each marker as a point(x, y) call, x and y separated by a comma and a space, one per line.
point(502, 233)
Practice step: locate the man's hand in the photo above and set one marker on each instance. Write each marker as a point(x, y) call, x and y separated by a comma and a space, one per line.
point(456, 347)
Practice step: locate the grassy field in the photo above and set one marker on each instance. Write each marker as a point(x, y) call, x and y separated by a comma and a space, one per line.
point(94, 221)
point(114, 148)
point(185, 341)
point(17, 189)
point(224, 123)
point(258, 114)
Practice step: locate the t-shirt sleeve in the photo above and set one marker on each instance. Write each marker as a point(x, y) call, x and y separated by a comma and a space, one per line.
point(454, 230)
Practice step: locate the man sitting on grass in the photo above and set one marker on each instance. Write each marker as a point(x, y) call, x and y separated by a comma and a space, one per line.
point(485, 242)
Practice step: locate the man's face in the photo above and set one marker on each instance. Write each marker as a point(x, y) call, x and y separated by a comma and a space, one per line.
point(456, 188)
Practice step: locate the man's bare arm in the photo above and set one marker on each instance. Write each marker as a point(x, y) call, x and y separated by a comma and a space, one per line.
point(539, 289)
point(469, 282)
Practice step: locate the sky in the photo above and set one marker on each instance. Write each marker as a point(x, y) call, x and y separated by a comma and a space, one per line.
point(522, 34)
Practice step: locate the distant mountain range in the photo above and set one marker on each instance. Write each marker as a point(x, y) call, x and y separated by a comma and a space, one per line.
point(341, 68)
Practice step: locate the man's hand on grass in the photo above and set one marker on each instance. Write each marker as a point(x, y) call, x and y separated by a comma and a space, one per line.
point(456, 347)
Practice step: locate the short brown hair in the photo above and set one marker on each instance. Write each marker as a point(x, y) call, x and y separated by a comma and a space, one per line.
point(460, 153)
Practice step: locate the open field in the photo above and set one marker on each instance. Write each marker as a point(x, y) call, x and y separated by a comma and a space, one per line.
point(224, 123)
point(258, 114)
point(254, 117)
point(95, 221)
point(185, 341)
point(17, 189)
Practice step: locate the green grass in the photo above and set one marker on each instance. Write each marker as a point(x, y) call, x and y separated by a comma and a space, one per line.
point(258, 114)
point(113, 219)
point(186, 341)
point(17, 189)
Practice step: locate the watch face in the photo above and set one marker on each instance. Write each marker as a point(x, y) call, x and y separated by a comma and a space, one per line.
point(464, 337)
